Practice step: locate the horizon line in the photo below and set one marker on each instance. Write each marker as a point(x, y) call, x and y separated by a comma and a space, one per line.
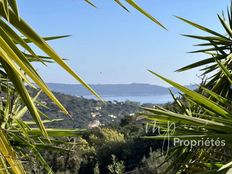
point(133, 83)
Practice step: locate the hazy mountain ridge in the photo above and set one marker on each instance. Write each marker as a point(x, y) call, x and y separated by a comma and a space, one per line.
point(134, 89)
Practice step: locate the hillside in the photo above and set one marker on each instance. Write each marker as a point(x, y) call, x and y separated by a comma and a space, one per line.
point(86, 113)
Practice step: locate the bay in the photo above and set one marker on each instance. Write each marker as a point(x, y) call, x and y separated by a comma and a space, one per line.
point(156, 99)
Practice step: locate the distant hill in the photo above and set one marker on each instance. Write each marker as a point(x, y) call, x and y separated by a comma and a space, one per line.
point(134, 89)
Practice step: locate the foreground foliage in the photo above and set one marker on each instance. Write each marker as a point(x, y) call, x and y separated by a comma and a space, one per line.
point(20, 140)
point(204, 114)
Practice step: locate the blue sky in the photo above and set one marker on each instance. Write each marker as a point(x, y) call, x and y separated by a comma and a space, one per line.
point(109, 45)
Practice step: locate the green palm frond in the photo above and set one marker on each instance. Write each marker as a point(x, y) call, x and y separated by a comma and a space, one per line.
point(205, 113)
point(17, 41)
point(218, 46)
point(133, 4)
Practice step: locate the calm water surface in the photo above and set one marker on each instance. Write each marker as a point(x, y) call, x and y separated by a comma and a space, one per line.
point(157, 99)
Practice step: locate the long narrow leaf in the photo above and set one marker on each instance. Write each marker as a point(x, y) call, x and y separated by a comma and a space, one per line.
point(197, 97)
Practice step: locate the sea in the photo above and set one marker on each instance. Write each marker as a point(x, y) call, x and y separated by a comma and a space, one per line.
point(156, 99)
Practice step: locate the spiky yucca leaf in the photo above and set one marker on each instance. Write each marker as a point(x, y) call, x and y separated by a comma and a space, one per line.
point(219, 47)
point(16, 69)
point(196, 124)
point(205, 113)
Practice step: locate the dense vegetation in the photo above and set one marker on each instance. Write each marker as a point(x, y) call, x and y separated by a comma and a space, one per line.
point(93, 152)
